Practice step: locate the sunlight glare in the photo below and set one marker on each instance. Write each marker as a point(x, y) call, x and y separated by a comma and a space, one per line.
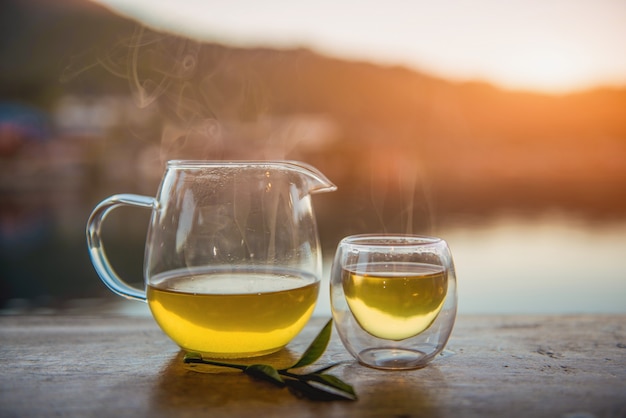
point(555, 46)
point(547, 69)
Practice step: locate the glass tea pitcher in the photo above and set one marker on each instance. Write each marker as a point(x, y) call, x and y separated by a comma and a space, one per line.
point(232, 260)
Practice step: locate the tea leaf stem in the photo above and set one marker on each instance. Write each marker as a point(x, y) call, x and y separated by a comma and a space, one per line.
point(316, 385)
point(198, 359)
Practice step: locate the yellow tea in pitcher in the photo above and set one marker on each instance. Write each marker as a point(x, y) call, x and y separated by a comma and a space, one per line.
point(229, 314)
point(395, 301)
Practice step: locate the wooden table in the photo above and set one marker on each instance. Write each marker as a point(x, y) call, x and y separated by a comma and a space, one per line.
point(109, 365)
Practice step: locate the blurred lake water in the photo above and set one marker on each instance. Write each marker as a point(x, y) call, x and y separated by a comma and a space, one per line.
point(100, 102)
point(551, 263)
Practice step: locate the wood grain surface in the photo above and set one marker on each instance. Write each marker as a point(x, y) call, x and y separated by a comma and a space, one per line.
point(117, 366)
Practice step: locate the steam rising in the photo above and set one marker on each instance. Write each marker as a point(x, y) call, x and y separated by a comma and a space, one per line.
point(204, 92)
point(214, 105)
point(397, 188)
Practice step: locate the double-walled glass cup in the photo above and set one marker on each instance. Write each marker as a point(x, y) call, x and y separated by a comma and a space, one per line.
point(232, 259)
point(393, 298)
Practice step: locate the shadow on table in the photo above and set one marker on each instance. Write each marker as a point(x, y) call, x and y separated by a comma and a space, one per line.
point(403, 393)
point(186, 388)
point(189, 391)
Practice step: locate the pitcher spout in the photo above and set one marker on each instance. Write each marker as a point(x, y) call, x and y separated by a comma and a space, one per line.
point(315, 180)
point(311, 180)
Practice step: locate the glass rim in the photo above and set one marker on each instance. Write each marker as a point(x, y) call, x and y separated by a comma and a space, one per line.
point(390, 240)
point(232, 163)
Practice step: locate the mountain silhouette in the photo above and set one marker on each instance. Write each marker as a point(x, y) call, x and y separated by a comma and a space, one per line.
point(399, 143)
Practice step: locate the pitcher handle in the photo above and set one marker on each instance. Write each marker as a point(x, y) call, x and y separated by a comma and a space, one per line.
point(96, 249)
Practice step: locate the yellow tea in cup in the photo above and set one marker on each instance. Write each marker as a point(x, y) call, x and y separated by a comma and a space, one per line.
point(393, 298)
point(395, 301)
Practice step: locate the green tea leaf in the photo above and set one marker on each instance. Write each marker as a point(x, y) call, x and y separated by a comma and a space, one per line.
point(317, 393)
point(325, 368)
point(265, 372)
point(334, 382)
point(197, 358)
point(317, 347)
point(192, 357)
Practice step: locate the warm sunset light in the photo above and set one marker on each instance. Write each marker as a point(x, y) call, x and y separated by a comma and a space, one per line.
point(236, 207)
point(553, 46)
point(543, 68)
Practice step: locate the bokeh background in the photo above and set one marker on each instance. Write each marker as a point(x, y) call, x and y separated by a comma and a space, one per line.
point(500, 128)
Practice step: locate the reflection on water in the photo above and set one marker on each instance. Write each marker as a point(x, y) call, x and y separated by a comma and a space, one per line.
point(546, 264)
point(540, 264)
point(44, 263)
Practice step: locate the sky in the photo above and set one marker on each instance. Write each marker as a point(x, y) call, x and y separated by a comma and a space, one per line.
point(542, 45)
